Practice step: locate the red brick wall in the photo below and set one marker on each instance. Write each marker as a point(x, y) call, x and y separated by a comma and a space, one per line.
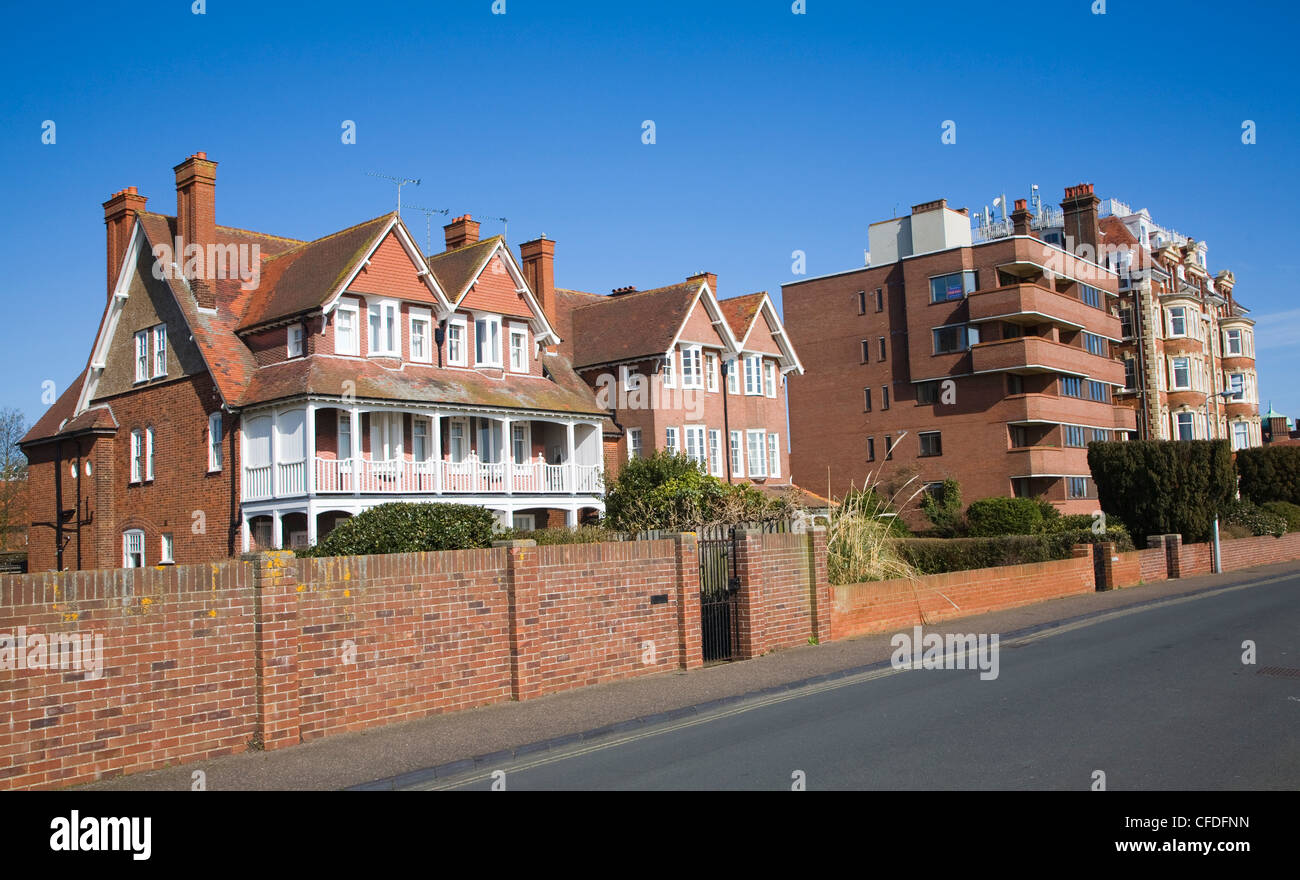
point(785, 599)
point(1195, 559)
point(176, 682)
point(883, 605)
point(1246, 552)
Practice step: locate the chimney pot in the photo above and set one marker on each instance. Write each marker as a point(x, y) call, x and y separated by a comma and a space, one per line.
point(461, 232)
point(119, 220)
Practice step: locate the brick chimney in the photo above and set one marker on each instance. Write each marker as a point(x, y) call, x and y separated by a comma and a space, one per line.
point(461, 232)
point(1021, 218)
point(196, 218)
point(707, 277)
point(119, 218)
point(538, 258)
point(1081, 224)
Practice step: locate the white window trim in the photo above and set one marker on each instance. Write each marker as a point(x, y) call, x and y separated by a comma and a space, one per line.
point(736, 449)
point(633, 449)
point(701, 456)
point(159, 351)
point(515, 330)
point(353, 308)
point(142, 363)
point(754, 368)
point(693, 355)
point(773, 455)
point(1186, 318)
point(425, 317)
point(769, 378)
point(298, 350)
point(137, 456)
point(462, 323)
point(383, 306)
point(669, 378)
point(148, 454)
point(1173, 374)
point(711, 371)
point(493, 321)
point(672, 442)
point(345, 418)
point(715, 452)
point(527, 428)
point(215, 439)
point(761, 469)
point(733, 375)
point(166, 549)
point(126, 544)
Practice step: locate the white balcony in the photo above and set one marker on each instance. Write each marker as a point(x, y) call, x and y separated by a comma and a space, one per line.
point(468, 477)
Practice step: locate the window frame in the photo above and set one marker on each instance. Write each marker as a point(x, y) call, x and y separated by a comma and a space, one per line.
point(493, 335)
point(1182, 316)
point(773, 454)
point(714, 440)
point(385, 309)
point(866, 399)
point(1070, 486)
point(517, 330)
point(460, 324)
point(1069, 433)
point(345, 418)
point(215, 437)
point(417, 316)
point(148, 453)
point(142, 355)
point(668, 375)
point(159, 351)
point(692, 357)
point(751, 436)
point(672, 440)
point(710, 371)
point(137, 456)
point(968, 280)
point(167, 549)
point(1241, 342)
point(352, 308)
point(127, 537)
point(754, 371)
point(769, 378)
point(736, 448)
point(697, 436)
point(733, 375)
point(633, 443)
point(964, 343)
point(1173, 373)
point(937, 437)
point(295, 341)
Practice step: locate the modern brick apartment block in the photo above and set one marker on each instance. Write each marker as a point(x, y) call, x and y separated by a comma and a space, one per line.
point(1188, 345)
point(253, 401)
point(987, 361)
point(683, 371)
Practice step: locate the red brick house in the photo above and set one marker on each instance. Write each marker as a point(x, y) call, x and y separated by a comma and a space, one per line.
point(248, 390)
point(683, 371)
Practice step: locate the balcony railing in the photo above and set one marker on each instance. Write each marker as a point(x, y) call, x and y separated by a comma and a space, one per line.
point(401, 476)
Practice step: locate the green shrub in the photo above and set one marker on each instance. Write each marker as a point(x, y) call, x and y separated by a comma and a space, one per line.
point(1257, 520)
point(858, 545)
point(943, 509)
point(1164, 486)
point(405, 527)
point(938, 555)
point(990, 517)
point(671, 492)
point(1288, 511)
point(1270, 473)
point(565, 535)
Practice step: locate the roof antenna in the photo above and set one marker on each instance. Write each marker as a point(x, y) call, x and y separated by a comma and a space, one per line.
point(505, 232)
point(400, 181)
point(428, 224)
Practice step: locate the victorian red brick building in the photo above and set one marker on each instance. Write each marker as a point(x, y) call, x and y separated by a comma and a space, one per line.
point(249, 390)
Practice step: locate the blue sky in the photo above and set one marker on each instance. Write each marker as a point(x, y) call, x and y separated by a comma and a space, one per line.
point(774, 132)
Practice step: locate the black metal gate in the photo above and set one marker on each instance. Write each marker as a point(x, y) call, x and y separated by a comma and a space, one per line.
point(719, 587)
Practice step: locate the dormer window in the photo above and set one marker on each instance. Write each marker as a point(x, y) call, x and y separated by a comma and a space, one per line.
point(385, 331)
point(295, 340)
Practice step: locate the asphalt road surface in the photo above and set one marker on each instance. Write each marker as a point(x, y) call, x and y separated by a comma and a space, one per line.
point(1156, 697)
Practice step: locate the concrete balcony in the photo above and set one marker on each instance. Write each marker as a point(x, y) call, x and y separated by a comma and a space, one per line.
point(1033, 354)
point(1029, 303)
point(1053, 409)
point(1047, 461)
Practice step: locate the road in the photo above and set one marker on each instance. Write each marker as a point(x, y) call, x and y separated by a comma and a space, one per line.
point(1155, 697)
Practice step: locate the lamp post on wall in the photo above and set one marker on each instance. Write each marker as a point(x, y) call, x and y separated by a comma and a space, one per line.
point(1218, 560)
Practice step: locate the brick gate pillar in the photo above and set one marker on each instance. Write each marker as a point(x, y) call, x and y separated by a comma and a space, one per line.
point(690, 644)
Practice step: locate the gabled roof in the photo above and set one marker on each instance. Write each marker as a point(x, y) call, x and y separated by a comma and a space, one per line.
point(306, 277)
point(60, 418)
point(740, 312)
point(455, 270)
point(618, 328)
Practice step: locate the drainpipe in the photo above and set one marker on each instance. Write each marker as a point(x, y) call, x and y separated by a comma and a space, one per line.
point(727, 366)
point(58, 505)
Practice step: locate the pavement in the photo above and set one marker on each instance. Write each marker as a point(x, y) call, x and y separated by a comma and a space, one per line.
point(463, 747)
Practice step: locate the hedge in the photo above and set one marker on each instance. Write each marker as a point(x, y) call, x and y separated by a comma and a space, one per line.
point(939, 555)
point(1270, 473)
point(990, 517)
point(406, 527)
point(1164, 486)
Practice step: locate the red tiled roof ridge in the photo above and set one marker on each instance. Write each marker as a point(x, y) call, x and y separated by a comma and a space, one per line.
point(626, 297)
point(294, 251)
